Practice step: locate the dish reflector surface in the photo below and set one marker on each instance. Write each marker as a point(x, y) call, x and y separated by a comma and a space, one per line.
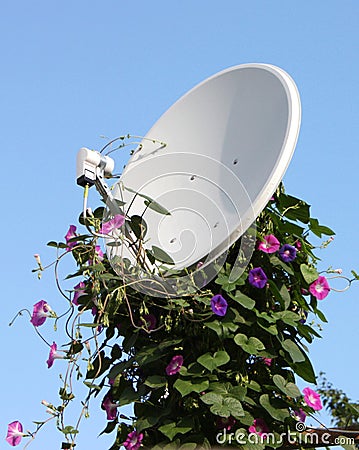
point(229, 141)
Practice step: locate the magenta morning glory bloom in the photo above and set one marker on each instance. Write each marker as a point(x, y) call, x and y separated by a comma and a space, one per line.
point(113, 224)
point(69, 235)
point(40, 313)
point(267, 361)
point(257, 277)
point(53, 355)
point(175, 365)
point(110, 407)
point(79, 291)
point(320, 288)
point(14, 433)
point(270, 244)
point(259, 427)
point(300, 415)
point(133, 441)
point(219, 305)
point(312, 399)
point(98, 252)
point(287, 253)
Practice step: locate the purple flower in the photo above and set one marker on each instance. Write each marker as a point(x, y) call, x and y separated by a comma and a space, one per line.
point(79, 291)
point(287, 253)
point(110, 407)
point(40, 313)
point(312, 399)
point(298, 245)
point(133, 441)
point(53, 355)
point(219, 305)
point(320, 288)
point(70, 235)
point(270, 244)
point(113, 224)
point(300, 415)
point(257, 277)
point(14, 433)
point(259, 427)
point(175, 365)
point(225, 423)
point(150, 320)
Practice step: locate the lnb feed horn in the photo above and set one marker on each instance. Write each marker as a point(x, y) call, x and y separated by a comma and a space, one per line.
point(90, 165)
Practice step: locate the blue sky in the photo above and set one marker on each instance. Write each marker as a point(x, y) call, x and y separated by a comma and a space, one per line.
point(74, 71)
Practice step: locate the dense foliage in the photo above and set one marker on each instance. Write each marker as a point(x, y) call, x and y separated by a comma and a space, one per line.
point(219, 361)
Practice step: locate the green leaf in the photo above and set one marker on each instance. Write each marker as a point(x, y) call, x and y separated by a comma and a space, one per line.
point(138, 226)
point(320, 229)
point(109, 428)
point(285, 295)
point(211, 398)
point(234, 406)
point(250, 345)
point(294, 208)
point(277, 413)
point(287, 388)
point(155, 381)
point(243, 300)
point(188, 446)
point(305, 370)
point(294, 351)
point(309, 273)
point(152, 204)
point(288, 317)
point(161, 255)
point(212, 362)
point(219, 409)
point(185, 387)
point(278, 262)
point(171, 429)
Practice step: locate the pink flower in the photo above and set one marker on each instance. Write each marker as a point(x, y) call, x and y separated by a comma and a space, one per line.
point(257, 278)
point(320, 288)
point(99, 252)
point(110, 407)
point(267, 361)
point(70, 235)
point(175, 365)
point(14, 433)
point(219, 305)
point(53, 355)
point(133, 441)
point(98, 255)
point(113, 224)
point(300, 415)
point(270, 244)
point(298, 245)
point(225, 423)
point(312, 399)
point(259, 427)
point(79, 291)
point(40, 313)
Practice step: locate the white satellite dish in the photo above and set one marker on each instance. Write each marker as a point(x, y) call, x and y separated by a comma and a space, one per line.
point(229, 141)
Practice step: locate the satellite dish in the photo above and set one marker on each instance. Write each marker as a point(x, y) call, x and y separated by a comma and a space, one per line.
point(229, 141)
